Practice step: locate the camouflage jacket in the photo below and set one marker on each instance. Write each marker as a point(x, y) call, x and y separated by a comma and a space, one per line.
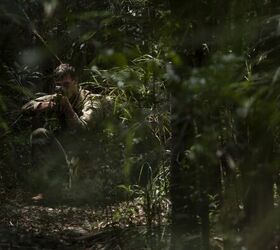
point(90, 109)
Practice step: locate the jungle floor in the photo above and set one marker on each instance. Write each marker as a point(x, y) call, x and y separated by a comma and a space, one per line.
point(28, 224)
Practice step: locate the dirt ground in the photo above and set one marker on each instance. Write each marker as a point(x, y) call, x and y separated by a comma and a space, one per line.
point(27, 224)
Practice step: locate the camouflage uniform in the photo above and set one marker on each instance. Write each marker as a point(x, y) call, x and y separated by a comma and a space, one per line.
point(55, 139)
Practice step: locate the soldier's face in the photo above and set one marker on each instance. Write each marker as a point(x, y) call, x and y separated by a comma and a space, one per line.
point(70, 86)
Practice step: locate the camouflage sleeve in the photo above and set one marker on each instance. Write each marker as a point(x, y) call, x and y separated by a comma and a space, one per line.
point(95, 108)
point(32, 105)
point(92, 113)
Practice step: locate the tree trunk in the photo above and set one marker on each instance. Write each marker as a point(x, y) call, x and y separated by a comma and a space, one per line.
point(182, 182)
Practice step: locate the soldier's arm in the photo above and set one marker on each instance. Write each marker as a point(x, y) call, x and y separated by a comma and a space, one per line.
point(40, 104)
point(92, 113)
point(72, 119)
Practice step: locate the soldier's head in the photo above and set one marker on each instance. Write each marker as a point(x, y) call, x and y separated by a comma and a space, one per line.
point(65, 77)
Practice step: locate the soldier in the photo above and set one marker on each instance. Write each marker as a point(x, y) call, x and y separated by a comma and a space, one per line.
point(59, 121)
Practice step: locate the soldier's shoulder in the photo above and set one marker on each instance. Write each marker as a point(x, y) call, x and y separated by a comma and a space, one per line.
point(88, 94)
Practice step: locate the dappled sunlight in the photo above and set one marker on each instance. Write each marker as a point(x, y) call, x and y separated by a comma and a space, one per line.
point(139, 125)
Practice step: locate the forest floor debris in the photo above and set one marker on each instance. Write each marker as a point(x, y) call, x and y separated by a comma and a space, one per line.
point(25, 224)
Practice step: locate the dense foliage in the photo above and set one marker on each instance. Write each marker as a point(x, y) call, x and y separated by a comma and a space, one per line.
point(193, 136)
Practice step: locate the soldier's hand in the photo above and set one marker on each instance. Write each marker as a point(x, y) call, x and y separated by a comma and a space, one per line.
point(65, 105)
